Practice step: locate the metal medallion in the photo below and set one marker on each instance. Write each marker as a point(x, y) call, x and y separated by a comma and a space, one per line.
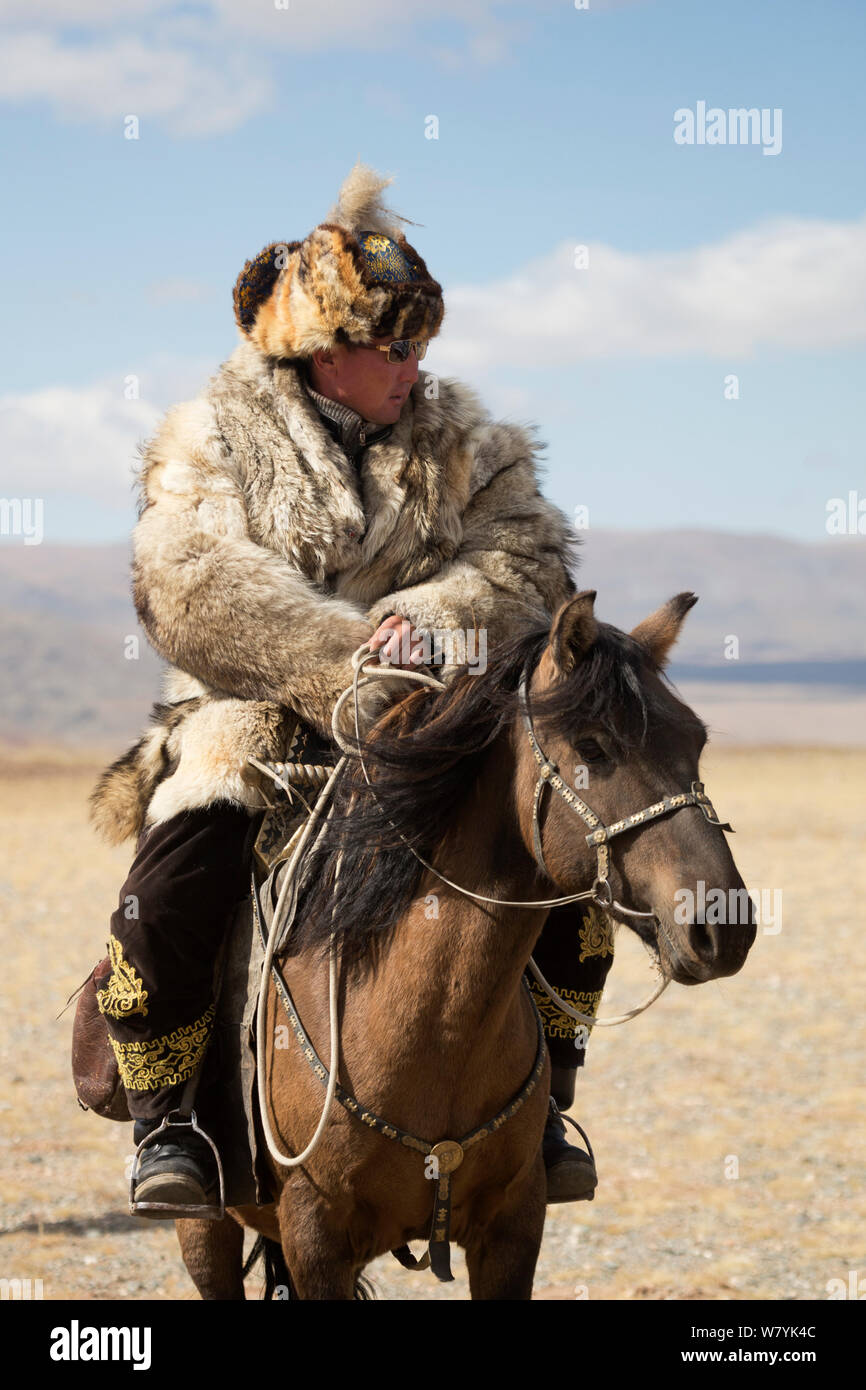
point(448, 1155)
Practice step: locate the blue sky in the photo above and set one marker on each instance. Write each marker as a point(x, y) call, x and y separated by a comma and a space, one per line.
point(555, 129)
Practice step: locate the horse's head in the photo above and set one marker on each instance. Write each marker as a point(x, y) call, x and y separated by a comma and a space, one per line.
point(623, 743)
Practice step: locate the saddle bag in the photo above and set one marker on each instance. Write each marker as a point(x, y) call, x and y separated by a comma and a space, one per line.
point(94, 1066)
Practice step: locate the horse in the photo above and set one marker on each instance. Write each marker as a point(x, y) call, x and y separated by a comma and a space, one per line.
point(438, 1032)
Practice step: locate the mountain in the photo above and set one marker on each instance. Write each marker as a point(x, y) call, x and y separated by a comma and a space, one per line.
point(784, 600)
point(798, 611)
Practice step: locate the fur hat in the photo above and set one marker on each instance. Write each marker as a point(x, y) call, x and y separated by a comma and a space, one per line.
point(355, 277)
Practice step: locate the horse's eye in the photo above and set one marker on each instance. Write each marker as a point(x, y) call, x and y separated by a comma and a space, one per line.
point(591, 751)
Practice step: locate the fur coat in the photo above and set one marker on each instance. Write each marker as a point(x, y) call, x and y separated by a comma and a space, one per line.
point(262, 559)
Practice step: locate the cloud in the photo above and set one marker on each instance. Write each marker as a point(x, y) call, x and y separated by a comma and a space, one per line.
point(205, 70)
point(81, 13)
point(377, 24)
point(107, 80)
point(84, 441)
point(793, 283)
point(81, 442)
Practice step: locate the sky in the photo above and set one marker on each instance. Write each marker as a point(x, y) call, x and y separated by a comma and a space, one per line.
point(679, 313)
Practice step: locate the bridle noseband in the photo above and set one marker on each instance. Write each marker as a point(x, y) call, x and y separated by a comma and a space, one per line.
point(549, 776)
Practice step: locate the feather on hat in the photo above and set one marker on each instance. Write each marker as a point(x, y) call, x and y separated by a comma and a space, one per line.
point(354, 278)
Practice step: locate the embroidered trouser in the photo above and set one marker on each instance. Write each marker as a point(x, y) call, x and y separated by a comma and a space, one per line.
point(574, 954)
point(175, 907)
point(179, 898)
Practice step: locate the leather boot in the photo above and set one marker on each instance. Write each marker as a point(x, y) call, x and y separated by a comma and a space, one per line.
point(179, 1169)
point(571, 1175)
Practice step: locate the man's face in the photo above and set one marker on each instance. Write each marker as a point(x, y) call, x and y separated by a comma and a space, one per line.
point(365, 380)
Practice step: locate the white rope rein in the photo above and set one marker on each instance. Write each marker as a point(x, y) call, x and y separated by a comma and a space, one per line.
point(290, 883)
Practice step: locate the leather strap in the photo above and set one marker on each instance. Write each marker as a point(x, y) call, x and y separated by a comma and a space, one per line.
point(599, 834)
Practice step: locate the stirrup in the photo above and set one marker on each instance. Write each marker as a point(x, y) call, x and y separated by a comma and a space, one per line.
point(581, 1131)
point(562, 1183)
point(208, 1211)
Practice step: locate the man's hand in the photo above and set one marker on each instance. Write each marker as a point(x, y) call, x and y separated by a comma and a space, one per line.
point(398, 643)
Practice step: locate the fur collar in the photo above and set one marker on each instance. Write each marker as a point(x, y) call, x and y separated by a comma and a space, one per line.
point(306, 500)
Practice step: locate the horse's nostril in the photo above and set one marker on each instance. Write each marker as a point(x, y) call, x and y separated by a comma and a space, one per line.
point(702, 942)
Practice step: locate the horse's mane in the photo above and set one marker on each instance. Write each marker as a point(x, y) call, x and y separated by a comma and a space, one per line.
point(424, 755)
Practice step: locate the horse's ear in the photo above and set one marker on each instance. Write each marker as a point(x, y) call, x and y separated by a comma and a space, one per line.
point(574, 630)
point(657, 633)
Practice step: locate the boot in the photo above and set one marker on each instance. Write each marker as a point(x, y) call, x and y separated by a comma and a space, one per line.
point(571, 1175)
point(179, 1169)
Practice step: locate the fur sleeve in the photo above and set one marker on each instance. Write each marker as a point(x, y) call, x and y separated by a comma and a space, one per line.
point(515, 562)
point(216, 604)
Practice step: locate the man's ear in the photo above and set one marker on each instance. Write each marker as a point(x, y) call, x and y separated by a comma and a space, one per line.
point(324, 359)
point(657, 633)
point(573, 631)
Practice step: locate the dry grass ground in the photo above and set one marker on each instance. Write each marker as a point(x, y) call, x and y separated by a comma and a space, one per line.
point(765, 1069)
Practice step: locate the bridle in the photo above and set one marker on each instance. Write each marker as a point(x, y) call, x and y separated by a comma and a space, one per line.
point(548, 775)
point(600, 835)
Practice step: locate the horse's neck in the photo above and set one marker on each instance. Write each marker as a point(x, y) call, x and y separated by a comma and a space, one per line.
point(451, 958)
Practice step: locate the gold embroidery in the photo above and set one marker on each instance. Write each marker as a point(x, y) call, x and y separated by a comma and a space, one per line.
point(276, 830)
point(145, 1066)
point(557, 1024)
point(124, 995)
point(596, 934)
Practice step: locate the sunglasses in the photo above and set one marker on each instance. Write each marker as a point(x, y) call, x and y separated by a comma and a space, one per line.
point(399, 350)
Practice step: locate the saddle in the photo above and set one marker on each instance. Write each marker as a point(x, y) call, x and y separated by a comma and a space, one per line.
point(226, 1101)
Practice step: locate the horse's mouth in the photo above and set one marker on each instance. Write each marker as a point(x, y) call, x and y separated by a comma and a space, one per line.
point(690, 968)
point(690, 972)
point(668, 957)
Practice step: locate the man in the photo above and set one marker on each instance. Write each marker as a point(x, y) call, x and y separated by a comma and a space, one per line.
point(316, 495)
